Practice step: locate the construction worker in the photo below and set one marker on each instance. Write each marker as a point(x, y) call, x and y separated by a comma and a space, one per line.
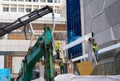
point(95, 50)
point(61, 66)
point(57, 49)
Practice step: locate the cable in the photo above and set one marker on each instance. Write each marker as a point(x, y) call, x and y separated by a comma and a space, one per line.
point(53, 42)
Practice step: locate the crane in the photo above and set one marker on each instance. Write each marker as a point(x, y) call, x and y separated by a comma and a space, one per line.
point(43, 46)
point(22, 21)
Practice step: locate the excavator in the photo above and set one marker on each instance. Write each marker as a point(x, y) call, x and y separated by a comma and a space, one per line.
point(42, 48)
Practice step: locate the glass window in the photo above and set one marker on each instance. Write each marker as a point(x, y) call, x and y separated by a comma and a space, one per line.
point(42, 0)
point(28, 9)
point(35, 0)
point(13, 0)
point(57, 11)
point(57, 1)
point(28, 0)
point(50, 1)
point(5, 9)
point(13, 9)
point(5, 0)
point(35, 7)
point(21, 9)
point(20, 0)
point(60, 35)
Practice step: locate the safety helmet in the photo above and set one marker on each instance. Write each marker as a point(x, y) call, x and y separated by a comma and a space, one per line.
point(58, 42)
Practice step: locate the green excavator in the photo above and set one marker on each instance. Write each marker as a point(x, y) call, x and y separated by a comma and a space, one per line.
point(43, 46)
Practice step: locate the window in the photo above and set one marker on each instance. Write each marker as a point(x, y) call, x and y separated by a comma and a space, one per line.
point(20, 8)
point(6, 0)
point(20, 0)
point(5, 9)
point(35, 0)
point(57, 11)
point(13, 0)
point(59, 35)
point(28, 0)
point(28, 9)
point(57, 1)
point(50, 1)
point(42, 0)
point(13, 9)
point(35, 7)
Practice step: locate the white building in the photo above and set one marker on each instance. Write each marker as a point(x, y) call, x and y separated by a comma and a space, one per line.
point(10, 10)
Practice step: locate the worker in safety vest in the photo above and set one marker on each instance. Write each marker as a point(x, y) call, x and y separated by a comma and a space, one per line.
point(95, 49)
point(57, 49)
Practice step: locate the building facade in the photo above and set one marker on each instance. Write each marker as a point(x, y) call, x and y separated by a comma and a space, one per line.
point(13, 9)
point(102, 17)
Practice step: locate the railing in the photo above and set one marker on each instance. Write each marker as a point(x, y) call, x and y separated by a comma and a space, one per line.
point(117, 56)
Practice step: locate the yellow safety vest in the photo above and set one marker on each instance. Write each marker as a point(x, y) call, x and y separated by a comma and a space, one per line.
point(57, 47)
point(95, 47)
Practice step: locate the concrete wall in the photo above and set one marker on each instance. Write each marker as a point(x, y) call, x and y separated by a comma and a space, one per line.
point(15, 45)
point(102, 17)
point(16, 64)
point(1, 61)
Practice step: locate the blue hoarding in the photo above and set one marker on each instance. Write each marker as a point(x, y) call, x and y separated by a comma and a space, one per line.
point(5, 74)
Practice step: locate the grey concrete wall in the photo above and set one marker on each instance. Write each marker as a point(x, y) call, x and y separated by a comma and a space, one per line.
point(103, 18)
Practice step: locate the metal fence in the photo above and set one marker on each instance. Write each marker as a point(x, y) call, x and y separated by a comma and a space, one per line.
point(110, 68)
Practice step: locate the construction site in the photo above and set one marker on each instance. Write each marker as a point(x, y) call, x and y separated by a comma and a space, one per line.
point(59, 40)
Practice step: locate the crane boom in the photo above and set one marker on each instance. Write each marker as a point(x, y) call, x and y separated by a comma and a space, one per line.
point(22, 21)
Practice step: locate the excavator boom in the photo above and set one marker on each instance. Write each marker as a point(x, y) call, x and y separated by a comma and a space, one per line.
point(43, 47)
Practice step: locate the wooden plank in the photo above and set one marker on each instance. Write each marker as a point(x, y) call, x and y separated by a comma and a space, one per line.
point(85, 68)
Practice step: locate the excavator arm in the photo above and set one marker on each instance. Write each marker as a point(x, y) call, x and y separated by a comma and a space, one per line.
point(43, 47)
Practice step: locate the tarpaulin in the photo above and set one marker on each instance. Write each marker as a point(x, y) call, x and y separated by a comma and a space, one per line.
point(72, 77)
